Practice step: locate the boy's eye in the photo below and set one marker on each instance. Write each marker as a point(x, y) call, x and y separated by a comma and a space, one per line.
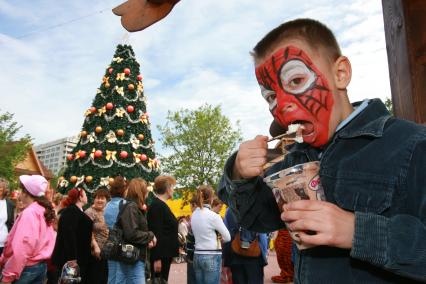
point(296, 77)
point(296, 82)
point(270, 96)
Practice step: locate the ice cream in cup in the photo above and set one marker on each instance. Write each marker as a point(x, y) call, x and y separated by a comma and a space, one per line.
point(296, 183)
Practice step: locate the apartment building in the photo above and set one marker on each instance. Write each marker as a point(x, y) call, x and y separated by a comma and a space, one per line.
point(54, 154)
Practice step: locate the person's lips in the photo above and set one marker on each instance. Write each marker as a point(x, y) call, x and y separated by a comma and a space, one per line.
point(306, 127)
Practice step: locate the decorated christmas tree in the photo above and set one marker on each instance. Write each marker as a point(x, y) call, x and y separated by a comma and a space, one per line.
point(115, 138)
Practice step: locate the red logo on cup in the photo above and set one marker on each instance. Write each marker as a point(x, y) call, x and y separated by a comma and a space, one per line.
point(314, 183)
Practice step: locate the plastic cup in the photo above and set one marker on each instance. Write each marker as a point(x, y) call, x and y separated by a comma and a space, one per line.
point(299, 182)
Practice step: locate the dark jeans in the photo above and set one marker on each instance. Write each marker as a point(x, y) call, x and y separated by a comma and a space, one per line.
point(190, 273)
point(250, 273)
point(34, 274)
point(97, 271)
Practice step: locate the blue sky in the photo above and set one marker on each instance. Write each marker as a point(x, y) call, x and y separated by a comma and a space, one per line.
point(198, 54)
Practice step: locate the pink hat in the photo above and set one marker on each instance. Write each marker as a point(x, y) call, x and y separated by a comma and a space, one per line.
point(36, 185)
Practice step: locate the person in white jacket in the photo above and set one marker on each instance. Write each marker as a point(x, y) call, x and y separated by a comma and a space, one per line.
point(208, 228)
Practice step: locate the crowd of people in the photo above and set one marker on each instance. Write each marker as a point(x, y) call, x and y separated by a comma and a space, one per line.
point(40, 237)
point(43, 235)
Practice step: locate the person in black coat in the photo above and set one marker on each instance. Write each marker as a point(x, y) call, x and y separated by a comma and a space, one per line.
point(164, 225)
point(74, 234)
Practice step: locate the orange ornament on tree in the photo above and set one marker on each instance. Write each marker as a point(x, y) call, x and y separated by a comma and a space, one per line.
point(141, 137)
point(120, 132)
point(89, 179)
point(83, 133)
point(98, 129)
point(131, 87)
point(73, 179)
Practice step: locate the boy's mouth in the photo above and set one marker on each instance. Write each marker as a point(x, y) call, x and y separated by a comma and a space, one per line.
point(306, 126)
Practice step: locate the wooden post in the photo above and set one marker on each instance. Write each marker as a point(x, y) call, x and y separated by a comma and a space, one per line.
point(405, 32)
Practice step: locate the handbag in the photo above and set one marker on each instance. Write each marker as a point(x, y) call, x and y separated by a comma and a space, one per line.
point(115, 248)
point(247, 249)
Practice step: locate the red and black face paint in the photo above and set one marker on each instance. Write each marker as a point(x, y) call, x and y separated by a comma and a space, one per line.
point(297, 92)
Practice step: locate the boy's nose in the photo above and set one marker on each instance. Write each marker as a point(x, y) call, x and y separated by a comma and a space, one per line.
point(288, 107)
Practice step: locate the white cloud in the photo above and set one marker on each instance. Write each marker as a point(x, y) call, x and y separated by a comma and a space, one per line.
point(13, 12)
point(198, 54)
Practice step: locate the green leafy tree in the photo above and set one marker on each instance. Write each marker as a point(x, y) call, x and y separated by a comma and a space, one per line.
point(200, 142)
point(389, 105)
point(12, 150)
point(115, 138)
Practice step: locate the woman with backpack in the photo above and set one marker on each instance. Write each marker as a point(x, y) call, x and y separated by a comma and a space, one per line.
point(117, 191)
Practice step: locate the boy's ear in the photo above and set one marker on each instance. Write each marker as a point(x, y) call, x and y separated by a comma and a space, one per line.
point(342, 72)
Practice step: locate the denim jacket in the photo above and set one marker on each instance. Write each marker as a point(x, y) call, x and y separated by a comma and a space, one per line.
point(111, 211)
point(375, 167)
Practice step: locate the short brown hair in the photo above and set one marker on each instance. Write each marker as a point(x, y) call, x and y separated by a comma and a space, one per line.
point(102, 192)
point(216, 201)
point(162, 183)
point(137, 190)
point(118, 187)
point(314, 33)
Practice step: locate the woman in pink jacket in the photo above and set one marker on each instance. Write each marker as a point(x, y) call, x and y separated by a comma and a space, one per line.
point(32, 238)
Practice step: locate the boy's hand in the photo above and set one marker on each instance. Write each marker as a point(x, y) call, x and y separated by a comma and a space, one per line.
point(251, 157)
point(152, 243)
point(332, 225)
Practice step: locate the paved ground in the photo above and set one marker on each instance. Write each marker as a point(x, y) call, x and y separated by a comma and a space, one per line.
point(178, 271)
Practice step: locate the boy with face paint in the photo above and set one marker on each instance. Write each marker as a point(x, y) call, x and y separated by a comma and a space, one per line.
point(371, 226)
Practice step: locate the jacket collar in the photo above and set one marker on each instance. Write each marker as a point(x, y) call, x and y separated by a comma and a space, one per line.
point(370, 122)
